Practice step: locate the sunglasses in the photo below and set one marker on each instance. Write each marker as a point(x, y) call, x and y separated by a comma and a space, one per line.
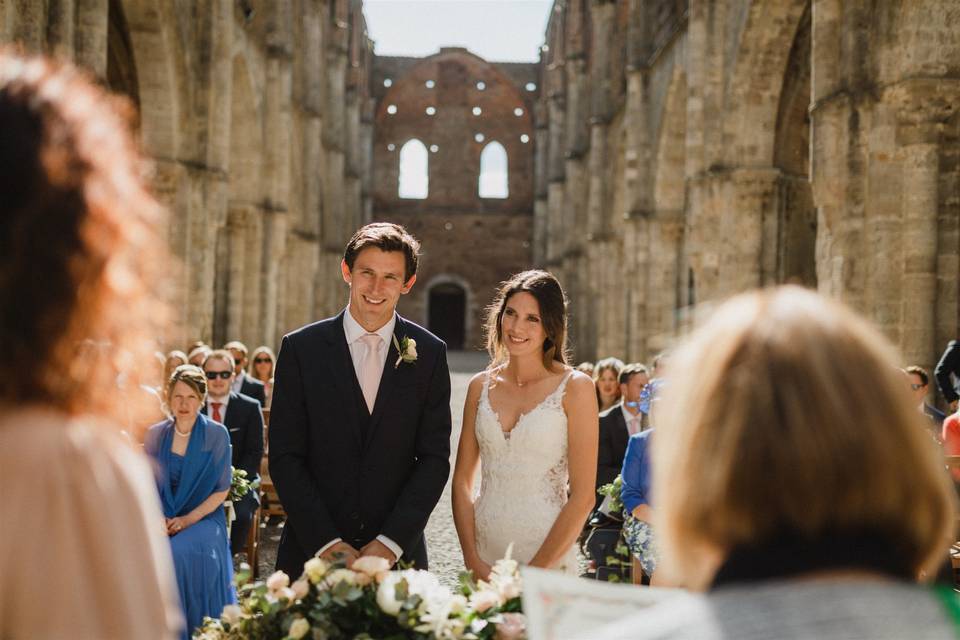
point(223, 375)
point(261, 360)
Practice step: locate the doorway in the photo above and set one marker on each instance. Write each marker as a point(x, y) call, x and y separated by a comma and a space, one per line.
point(447, 314)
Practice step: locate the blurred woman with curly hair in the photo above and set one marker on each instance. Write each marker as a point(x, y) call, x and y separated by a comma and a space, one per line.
point(81, 552)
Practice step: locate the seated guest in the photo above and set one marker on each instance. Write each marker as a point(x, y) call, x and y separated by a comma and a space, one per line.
point(172, 360)
point(261, 369)
point(243, 419)
point(774, 499)
point(193, 459)
point(243, 383)
point(618, 423)
point(605, 376)
point(920, 386)
point(635, 495)
point(82, 250)
point(198, 355)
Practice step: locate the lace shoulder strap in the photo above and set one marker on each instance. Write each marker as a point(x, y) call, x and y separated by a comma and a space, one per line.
point(555, 399)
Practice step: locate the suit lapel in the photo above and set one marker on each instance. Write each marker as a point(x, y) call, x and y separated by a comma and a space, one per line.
point(342, 372)
point(622, 433)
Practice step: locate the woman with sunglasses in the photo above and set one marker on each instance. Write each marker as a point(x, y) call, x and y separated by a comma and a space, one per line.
point(261, 368)
point(193, 456)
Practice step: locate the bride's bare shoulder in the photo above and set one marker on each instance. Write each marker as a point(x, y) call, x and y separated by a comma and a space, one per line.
point(580, 385)
point(478, 379)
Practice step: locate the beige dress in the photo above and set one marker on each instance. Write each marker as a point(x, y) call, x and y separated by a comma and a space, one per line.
point(83, 553)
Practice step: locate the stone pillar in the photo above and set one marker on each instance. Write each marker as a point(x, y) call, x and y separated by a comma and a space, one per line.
point(91, 35)
point(922, 108)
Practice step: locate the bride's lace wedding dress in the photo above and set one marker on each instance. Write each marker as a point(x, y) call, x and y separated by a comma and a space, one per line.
point(523, 482)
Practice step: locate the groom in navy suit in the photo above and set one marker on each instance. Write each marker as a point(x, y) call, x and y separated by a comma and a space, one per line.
point(360, 425)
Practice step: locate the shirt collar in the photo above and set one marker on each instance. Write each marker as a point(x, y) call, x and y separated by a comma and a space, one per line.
point(354, 331)
point(627, 416)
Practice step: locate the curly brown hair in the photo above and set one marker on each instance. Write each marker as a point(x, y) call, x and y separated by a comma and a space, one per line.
point(80, 243)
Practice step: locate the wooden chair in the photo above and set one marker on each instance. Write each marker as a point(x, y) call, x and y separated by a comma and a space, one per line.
point(253, 544)
point(270, 502)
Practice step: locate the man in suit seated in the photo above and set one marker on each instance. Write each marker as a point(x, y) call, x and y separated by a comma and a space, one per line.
point(618, 423)
point(242, 416)
point(242, 383)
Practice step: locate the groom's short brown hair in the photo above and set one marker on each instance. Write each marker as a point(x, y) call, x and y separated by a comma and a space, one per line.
point(385, 236)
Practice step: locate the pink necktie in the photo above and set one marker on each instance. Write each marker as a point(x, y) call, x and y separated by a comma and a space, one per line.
point(634, 426)
point(370, 369)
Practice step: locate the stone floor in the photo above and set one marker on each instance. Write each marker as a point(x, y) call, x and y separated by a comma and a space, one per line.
point(442, 544)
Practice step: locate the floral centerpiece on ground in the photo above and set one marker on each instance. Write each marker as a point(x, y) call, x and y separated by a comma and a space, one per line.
point(368, 601)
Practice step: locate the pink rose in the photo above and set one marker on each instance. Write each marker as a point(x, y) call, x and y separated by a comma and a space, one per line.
point(277, 581)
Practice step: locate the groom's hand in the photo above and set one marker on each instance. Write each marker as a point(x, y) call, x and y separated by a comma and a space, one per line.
point(377, 548)
point(341, 551)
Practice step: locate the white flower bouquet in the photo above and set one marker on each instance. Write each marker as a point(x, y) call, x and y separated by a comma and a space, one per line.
point(368, 601)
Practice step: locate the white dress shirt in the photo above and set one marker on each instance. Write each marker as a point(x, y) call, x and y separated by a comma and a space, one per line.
point(358, 351)
point(238, 381)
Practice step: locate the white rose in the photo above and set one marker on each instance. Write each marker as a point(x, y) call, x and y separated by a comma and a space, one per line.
point(231, 614)
point(277, 581)
point(412, 343)
point(341, 575)
point(483, 600)
point(371, 565)
point(299, 628)
point(315, 568)
point(285, 592)
point(412, 351)
point(300, 588)
point(387, 595)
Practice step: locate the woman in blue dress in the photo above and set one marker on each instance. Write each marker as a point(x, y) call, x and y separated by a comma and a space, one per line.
point(193, 456)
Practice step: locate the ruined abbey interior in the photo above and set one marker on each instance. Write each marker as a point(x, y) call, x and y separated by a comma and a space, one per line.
point(662, 155)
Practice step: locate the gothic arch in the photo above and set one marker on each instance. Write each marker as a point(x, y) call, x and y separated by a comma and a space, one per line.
point(414, 173)
point(753, 96)
point(494, 179)
point(450, 280)
point(159, 64)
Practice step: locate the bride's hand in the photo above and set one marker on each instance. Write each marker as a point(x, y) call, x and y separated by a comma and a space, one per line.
point(480, 569)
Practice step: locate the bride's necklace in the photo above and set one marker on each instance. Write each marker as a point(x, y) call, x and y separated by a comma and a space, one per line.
point(521, 384)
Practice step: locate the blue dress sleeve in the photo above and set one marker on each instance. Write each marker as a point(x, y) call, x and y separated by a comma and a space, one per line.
point(634, 490)
point(221, 454)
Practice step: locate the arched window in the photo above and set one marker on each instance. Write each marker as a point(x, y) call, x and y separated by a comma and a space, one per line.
point(414, 179)
point(493, 171)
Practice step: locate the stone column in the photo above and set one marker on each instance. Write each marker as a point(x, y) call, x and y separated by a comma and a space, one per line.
point(91, 35)
point(922, 105)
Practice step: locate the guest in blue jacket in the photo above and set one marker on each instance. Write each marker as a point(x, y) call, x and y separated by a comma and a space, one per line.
point(635, 494)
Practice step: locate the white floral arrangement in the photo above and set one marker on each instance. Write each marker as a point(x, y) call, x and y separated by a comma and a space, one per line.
point(369, 601)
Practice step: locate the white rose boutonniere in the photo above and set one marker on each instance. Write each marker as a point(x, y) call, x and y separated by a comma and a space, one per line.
point(407, 348)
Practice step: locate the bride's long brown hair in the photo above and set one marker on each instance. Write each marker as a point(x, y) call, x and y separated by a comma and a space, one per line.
point(543, 286)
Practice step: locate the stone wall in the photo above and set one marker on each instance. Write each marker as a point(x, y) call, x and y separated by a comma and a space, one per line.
point(692, 149)
point(257, 115)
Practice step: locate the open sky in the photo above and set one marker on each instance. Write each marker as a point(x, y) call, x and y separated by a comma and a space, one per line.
point(496, 30)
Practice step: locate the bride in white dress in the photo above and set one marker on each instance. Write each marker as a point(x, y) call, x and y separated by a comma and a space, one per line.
point(530, 423)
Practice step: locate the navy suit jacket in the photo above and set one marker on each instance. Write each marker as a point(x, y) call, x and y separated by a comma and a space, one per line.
point(255, 389)
point(341, 472)
point(611, 447)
